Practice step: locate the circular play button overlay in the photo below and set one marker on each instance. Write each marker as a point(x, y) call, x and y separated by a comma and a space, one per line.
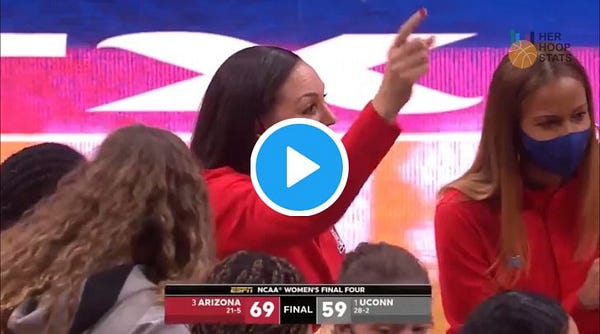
point(299, 167)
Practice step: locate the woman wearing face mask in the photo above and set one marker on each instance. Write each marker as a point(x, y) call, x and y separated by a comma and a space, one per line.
point(260, 86)
point(525, 215)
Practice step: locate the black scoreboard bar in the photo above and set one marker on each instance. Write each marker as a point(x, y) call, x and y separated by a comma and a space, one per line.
point(307, 304)
point(297, 304)
point(295, 290)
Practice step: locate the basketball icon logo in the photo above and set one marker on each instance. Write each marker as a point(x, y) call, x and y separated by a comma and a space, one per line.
point(522, 54)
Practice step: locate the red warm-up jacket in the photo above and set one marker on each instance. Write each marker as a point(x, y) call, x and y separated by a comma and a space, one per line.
point(467, 233)
point(244, 222)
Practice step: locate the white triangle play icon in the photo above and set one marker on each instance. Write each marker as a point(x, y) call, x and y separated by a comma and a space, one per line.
point(298, 167)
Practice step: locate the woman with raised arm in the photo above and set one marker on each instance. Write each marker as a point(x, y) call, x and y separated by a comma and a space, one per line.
point(260, 86)
point(525, 215)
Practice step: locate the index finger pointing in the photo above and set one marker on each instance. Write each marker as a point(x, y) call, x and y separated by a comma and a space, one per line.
point(409, 26)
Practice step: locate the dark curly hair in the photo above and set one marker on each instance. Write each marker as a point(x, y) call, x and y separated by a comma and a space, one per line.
point(517, 312)
point(252, 268)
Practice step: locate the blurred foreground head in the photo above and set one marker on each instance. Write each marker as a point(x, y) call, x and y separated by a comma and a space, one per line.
point(519, 312)
point(382, 263)
point(32, 174)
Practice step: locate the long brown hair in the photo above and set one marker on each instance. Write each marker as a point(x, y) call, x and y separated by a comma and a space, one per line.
point(140, 201)
point(495, 174)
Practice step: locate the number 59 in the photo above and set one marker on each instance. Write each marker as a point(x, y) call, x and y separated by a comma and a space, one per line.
point(329, 308)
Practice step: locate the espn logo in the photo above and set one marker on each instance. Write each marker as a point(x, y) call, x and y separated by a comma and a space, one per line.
point(241, 289)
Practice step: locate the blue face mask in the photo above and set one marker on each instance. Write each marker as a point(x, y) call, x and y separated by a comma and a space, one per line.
point(561, 155)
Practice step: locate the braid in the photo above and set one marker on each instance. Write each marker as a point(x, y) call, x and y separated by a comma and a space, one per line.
point(252, 268)
point(32, 174)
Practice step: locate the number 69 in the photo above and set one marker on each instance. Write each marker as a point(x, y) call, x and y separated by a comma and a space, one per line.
point(256, 311)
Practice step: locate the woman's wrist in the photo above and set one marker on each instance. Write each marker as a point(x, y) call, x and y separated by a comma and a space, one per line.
point(384, 109)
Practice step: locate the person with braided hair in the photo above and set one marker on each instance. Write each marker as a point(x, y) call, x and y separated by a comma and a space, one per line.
point(253, 268)
point(32, 174)
point(519, 312)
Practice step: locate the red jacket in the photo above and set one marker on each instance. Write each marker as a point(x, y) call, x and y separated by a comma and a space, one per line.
point(244, 222)
point(466, 234)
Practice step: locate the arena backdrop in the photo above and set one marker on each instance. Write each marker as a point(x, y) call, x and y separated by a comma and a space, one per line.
point(71, 71)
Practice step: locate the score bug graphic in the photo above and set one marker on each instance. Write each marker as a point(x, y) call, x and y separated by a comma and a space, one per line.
point(297, 304)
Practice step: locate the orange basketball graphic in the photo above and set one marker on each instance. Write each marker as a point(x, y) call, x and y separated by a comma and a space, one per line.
point(522, 54)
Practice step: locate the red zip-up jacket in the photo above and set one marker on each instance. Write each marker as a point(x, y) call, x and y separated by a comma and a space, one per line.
point(467, 233)
point(244, 222)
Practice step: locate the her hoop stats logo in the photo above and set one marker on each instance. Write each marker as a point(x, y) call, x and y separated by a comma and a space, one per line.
point(542, 46)
point(522, 54)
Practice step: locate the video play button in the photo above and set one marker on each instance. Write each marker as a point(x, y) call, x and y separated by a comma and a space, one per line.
point(299, 167)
